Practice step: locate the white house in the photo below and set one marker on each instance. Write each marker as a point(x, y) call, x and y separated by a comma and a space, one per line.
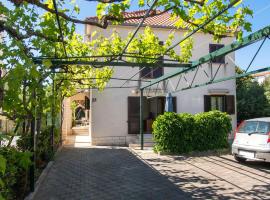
point(114, 113)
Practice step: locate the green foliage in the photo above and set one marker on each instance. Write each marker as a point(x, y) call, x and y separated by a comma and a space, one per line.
point(211, 132)
point(266, 85)
point(172, 132)
point(13, 179)
point(251, 98)
point(3, 164)
point(190, 15)
point(43, 145)
point(182, 133)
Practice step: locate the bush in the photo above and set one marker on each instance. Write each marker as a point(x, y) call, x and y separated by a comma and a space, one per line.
point(14, 177)
point(43, 145)
point(212, 129)
point(172, 132)
point(182, 133)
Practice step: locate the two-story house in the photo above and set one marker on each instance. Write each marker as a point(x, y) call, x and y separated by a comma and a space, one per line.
point(113, 114)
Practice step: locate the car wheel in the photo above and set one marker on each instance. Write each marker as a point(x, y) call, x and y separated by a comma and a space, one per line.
point(240, 159)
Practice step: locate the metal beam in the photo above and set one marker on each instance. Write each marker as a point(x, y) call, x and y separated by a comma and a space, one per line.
point(154, 57)
point(109, 87)
point(226, 78)
point(56, 62)
point(113, 78)
point(250, 39)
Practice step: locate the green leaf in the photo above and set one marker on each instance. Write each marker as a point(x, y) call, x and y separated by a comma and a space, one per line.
point(2, 164)
point(47, 63)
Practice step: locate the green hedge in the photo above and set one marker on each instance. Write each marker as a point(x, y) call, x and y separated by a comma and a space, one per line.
point(14, 167)
point(182, 133)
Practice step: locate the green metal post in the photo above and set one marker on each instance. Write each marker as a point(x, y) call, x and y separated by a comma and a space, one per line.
point(32, 131)
point(141, 118)
point(53, 114)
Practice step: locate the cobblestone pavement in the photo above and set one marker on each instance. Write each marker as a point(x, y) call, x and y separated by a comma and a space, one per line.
point(104, 173)
point(213, 177)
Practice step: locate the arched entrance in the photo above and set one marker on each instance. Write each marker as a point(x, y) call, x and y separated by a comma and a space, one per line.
point(76, 124)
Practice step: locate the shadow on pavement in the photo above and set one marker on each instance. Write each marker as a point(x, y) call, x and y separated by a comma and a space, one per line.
point(215, 186)
point(102, 173)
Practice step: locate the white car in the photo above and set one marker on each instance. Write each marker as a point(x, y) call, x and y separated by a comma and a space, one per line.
point(252, 140)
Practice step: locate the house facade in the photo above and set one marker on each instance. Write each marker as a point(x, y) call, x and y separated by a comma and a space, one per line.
point(113, 114)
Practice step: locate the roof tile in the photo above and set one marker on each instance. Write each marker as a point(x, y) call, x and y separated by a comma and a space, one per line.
point(160, 20)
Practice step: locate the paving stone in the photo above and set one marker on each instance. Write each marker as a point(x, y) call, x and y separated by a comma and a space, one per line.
point(102, 173)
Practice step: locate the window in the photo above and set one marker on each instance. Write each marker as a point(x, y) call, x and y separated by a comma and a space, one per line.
point(218, 103)
point(214, 47)
point(151, 73)
point(258, 127)
point(223, 103)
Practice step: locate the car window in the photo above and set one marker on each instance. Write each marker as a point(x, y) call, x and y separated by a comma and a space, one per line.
point(254, 126)
point(263, 127)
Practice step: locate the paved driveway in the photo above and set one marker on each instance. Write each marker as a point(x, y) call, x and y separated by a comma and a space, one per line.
point(113, 173)
point(102, 173)
point(212, 177)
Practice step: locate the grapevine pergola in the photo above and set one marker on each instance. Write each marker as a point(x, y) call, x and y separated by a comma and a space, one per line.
point(181, 68)
point(120, 60)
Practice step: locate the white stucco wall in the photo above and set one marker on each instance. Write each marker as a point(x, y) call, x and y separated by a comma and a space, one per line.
point(110, 110)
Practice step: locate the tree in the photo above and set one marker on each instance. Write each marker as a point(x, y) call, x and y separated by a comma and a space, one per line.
point(266, 85)
point(35, 32)
point(251, 99)
point(32, 29)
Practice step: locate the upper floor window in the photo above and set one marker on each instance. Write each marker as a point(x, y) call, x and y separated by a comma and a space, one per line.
point(214, 47)
point(152, 73)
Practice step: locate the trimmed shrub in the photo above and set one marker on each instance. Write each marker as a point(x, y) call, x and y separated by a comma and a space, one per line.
point(172, 132)
point(183, 133)
point(212, 129)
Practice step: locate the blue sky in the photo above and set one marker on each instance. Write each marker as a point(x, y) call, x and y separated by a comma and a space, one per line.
point(261, 19)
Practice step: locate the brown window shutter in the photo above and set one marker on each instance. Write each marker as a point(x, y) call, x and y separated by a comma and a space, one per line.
point(146, 73)
point(174, 104)
point(214, 47)
point(86, 103)
point(157, 72)
point(207, 103)
point(230, 104)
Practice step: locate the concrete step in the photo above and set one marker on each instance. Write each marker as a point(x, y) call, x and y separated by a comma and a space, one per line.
point(147, 139)
point(80, 130)
point(137, 145)
point(78, 141)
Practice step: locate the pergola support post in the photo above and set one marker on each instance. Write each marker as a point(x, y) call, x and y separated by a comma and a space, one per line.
point(33, 156)
point(141, 119)
point(52, 114)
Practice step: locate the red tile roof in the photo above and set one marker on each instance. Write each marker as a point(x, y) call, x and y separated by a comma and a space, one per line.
point(162, 20)
point(261, 74)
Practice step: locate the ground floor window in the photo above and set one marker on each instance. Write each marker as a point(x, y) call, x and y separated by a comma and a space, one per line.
point(218, 103)
point(223, 103)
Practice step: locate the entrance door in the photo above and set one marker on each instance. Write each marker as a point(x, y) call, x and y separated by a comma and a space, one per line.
point(134, 114)
point(151, 109)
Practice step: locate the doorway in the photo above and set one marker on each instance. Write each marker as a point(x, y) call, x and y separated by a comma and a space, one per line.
point(152, 108)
